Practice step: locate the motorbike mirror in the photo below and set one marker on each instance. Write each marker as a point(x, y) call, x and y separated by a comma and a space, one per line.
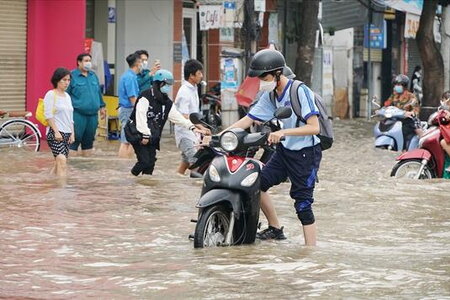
point(196, 118)
point(375, 101)
point(283, 112)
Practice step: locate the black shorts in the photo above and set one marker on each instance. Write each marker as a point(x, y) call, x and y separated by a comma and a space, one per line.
point(58, 147)
point(300, 166)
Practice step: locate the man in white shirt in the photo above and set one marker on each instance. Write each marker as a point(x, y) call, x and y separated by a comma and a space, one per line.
point(187, 102)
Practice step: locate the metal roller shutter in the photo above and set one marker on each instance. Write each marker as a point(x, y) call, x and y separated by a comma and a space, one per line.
point(13, 42)
point(413, 57)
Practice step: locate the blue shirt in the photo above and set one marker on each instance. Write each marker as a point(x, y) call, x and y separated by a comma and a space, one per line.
point(85, 93)
point(264, 110)
point(144, 80)
point(128, 87)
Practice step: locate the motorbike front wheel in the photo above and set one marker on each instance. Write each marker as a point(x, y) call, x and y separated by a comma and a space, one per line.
point(212, 227)
point(409, 168)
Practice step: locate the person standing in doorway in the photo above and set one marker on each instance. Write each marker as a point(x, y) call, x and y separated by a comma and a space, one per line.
point(145, 76)
point(416, 83)
point(187, 102)
point(87, 101)
point(128, 93)
point(58, 111)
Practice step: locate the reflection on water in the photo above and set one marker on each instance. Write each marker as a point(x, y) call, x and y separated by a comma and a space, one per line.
point(103, 233)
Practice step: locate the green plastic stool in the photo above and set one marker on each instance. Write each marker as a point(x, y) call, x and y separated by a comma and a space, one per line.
point(446, 174)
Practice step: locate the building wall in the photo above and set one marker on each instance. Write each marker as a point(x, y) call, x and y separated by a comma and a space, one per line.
point(144, 25)
point(55, 36)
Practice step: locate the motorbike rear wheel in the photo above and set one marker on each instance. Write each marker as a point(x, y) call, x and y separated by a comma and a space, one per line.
point(409, 168)
point(212, 227)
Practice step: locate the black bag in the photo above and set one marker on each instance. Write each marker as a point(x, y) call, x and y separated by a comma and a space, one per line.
point(132, 135)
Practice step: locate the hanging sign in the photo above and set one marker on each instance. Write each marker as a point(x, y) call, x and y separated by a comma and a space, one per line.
point(210, 16)
point(411, 25)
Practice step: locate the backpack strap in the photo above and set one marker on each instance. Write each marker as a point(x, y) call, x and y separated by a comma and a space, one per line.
point(272, 98)
point(295, 101)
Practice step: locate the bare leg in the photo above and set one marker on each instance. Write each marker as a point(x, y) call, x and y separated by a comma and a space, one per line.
point(73, 153)
point(53, 169)
point(182, 167)
point(87, 152)
point(310, 234)
point(269, 210)
point(61, 166)
point(125, 150)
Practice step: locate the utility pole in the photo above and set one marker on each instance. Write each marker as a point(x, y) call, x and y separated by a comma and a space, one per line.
point(369, 66)
point(445, 45)
point(250, 31)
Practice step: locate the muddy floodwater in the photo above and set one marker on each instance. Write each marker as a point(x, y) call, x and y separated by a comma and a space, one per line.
point(105, 234)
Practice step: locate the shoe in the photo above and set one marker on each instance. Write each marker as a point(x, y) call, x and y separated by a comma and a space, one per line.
point(447, 169)
point(271, 233)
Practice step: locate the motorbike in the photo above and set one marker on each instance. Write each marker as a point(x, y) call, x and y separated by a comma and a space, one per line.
point(206, 154)
point(211, 107)
point(426, 162)
point(228, 208)
point(388, 131)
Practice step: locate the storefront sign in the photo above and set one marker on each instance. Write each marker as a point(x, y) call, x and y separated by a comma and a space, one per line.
point(377, 37)
point(210, 16)
point(411, 25)
point(411, 6)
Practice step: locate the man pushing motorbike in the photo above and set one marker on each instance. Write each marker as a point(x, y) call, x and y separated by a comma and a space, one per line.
point(298, 156)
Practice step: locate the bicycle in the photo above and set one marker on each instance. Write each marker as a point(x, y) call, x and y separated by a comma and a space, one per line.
point(17, 131)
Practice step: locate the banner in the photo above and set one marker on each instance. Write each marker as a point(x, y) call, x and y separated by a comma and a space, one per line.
point(211, 16)
point(411, 25)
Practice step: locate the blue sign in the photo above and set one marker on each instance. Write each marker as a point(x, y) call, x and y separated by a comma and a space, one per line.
point(377, 37)
point(229, 5)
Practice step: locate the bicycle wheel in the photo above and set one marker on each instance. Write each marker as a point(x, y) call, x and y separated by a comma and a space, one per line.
point(21, 134)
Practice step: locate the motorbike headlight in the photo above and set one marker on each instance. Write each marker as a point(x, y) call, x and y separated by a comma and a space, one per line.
point(388, 115)
point(250, 179)
point(229, 141)
point(213, 174)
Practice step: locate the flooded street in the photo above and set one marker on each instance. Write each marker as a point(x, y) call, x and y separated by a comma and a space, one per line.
point(104, 233)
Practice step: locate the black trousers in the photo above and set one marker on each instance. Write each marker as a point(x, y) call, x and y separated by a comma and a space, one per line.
point(409, 131)
point(146, 159)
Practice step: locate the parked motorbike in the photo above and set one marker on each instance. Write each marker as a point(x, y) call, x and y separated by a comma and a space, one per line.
point(211, 107)
point(426, 162)
point(388, 131)
point(229, 203)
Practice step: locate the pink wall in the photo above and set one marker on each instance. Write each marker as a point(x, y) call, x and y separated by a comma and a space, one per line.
point(55, 37)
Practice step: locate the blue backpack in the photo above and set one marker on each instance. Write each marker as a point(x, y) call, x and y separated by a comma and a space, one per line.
point(326, 134)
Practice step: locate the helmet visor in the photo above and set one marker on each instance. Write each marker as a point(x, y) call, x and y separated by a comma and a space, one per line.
point(169, 81)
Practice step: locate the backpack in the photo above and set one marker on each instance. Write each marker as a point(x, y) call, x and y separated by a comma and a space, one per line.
point(326, 135)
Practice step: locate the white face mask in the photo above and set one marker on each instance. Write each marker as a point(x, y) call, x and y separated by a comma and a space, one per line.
point(144, 64)
point(267, 86)
point(87, 65)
